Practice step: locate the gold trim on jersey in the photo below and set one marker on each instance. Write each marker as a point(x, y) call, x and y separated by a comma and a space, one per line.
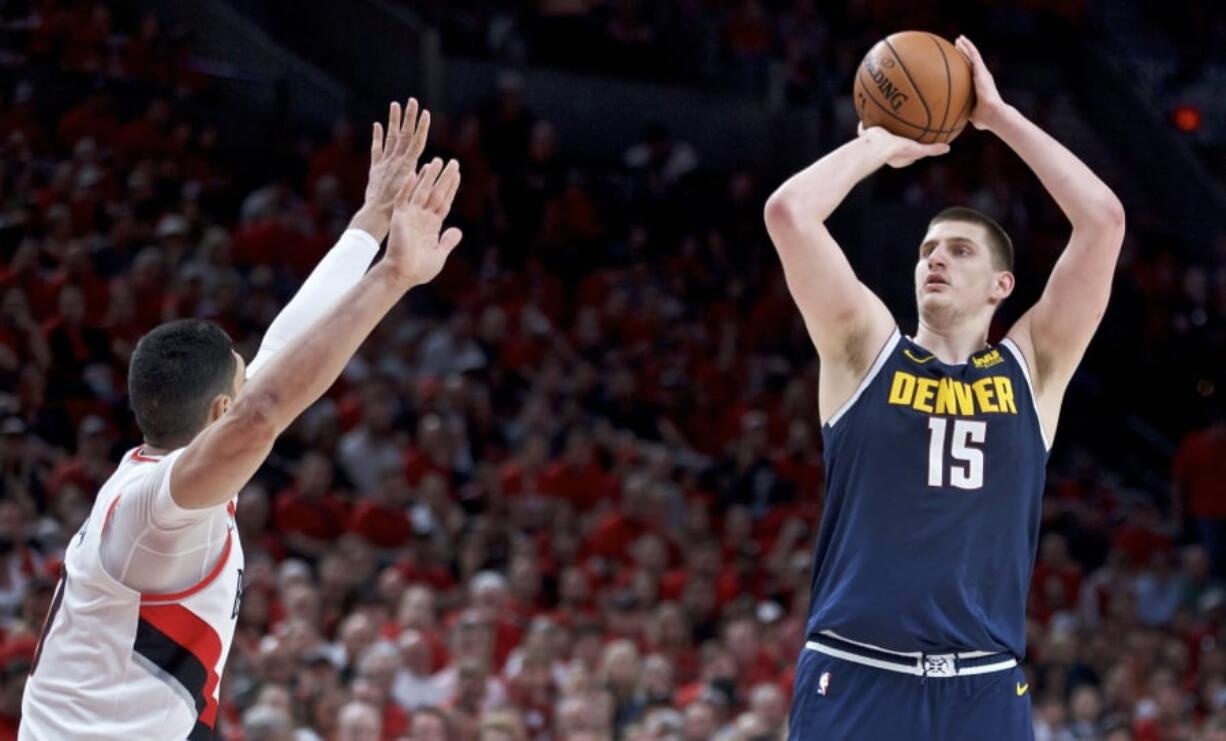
point(907, 351)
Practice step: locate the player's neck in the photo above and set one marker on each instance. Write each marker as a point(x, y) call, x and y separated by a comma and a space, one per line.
point(951, 345)
point(152, 450)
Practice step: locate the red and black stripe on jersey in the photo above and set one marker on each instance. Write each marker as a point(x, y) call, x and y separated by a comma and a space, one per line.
point(186, 650)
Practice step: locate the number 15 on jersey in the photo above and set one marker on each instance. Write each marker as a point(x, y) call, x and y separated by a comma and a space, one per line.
point(961, 458)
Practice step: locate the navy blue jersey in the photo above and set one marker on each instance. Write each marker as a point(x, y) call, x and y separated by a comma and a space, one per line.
point(934, 476)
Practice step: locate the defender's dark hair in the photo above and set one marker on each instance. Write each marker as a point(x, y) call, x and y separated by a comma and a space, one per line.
point(175, 373)
point(998, 241)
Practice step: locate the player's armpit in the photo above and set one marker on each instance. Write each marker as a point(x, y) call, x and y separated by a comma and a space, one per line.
point(1062, 322)
point(845, 320)
point(1055, 333)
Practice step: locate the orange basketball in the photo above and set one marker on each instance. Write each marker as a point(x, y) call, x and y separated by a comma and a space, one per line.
point(917, 85)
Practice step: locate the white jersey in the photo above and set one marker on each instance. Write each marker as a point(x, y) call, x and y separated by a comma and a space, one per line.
point(120, 658)
point(115, 663)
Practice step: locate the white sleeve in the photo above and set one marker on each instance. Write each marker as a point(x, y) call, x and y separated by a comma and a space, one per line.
point(152, 545)
point(336, 273)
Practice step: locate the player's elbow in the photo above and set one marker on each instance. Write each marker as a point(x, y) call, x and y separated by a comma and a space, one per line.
point(784, 222)
point(1107, 215)
point(779, 211)
point(1113, 213)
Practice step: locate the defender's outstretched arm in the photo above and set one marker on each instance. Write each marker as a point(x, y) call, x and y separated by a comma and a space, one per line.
point(225, 456)
point(393, 159)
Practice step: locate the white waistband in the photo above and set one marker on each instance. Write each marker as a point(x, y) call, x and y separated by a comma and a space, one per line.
point(907, 654)
point(925, 665)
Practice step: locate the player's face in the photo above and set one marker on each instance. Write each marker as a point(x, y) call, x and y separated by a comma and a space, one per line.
point(955, 273)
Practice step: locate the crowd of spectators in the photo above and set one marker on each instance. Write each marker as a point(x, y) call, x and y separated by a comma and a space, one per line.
point(568, 491)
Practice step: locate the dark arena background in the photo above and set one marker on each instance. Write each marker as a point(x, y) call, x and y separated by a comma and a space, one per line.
point(570, 489)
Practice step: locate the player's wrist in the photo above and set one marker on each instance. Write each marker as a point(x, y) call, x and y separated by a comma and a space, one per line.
point(878, 143)
point(995, 116)
point(400, 277)
point(372, 220)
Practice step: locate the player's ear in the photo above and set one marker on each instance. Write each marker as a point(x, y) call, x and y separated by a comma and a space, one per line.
point(221, 404)
point(1004, 285)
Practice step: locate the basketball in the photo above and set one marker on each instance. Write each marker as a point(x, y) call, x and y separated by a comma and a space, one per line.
point(915, 84)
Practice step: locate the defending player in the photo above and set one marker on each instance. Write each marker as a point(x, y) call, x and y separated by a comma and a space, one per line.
point(138, 632)
point(936, 445)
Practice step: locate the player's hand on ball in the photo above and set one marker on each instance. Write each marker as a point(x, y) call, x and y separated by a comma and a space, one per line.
point(988, 103)
point(899, 150)
point(393, 158)
point(415, 249)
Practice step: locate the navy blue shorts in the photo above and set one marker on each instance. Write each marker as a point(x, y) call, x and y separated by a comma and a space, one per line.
point(838, 700)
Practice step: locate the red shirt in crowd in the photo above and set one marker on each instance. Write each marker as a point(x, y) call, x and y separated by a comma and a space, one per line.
point(583, 487)
point(380, 525)
point(321, 519)
point(1200, 469)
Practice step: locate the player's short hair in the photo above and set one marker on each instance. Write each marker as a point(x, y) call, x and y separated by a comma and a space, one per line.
point(175, 373)
point(998, 240)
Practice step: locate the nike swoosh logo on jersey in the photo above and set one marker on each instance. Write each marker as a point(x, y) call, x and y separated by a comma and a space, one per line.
point(1022, 688)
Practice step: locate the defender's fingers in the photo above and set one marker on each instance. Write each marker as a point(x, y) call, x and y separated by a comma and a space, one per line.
point(453, 185)
point(450, 239)
point(438, 194)
point(406, 191)
point(376, 143)
point(417, 144)
point(426, 179)
point(393, 118)
point(410, 115)
point(393, 127)
point(407, 124)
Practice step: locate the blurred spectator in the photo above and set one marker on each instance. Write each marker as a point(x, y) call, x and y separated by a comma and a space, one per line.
point(1199, 470)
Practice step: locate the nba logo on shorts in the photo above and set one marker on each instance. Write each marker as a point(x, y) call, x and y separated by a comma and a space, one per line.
point(823, 684)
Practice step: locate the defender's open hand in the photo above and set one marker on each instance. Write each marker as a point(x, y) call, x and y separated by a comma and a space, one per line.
point(414, 248)
point(393, 160)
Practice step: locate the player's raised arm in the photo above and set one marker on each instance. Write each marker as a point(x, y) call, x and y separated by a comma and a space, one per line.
point(393, 159)
point(1055, 332)
point(846, 321)
point(223, 457)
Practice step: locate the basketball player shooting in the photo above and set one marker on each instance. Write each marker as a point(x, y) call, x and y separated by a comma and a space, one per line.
point(136, 639)
point(936, 444)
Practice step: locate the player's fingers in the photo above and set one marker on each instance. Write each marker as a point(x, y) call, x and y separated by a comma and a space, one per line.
point(393, 118)
point(406, 127)
point(969, 49)
point(453, 185)
point(393, 127)
point(426, 179)
point(376, 143)
point(410, 116)
point(438, 194)
point(406, 191)
point(450, 239)
point(418, 144)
